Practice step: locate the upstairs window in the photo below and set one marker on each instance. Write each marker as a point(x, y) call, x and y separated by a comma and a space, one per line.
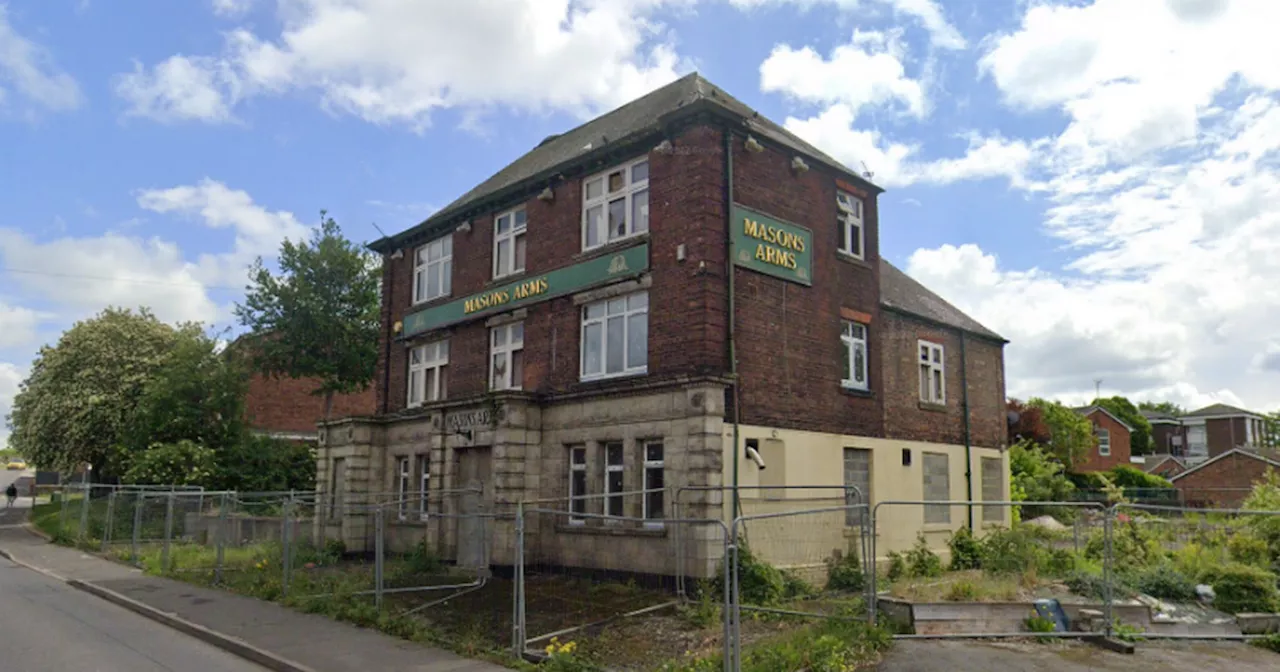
point(428, 372)
point(933, 380)
point(433, 270)
point(853, 342)
point(509, 243)
point(615, 337)
point(615, 204)
point(1104, 441)
point(506, 360)
point(849, 224)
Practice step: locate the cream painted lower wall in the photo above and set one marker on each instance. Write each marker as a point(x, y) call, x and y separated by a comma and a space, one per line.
point(806, 541)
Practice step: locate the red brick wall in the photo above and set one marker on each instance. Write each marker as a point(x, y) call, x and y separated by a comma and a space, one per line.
point(287, 405)
point(1224, 484)
point(1167, 468)
point(1120, 453)
point(1224, 434)
point(1162, 433)
point(686, 324)
point(788, 335)
point(906, 417)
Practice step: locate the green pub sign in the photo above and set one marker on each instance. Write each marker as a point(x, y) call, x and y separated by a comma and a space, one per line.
point(766, 245)
point(598, 271)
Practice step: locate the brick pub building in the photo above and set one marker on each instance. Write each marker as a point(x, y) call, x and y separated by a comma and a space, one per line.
point(631, 305)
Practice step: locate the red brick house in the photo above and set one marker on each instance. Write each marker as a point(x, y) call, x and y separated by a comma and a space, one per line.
point(1164, 465)
point(1111, 441)
point(1207, 432)
point(1223, 481)
point(285, 408)
point(630, 306)
point(1168, 435)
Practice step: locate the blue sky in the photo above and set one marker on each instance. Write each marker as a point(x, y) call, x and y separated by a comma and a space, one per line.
point(1094, 179)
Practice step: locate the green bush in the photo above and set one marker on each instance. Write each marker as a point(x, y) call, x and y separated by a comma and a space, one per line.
point(833, 646)
point(1133, 546)
point(962, 591)
point(1248, 549)
point(1087, 584)
point(1270, 643)
point(1164, 582)
point(923, 562)
point(1127, 476)
point(897, 566)
point(966, 552)
point(1240, 588)
point(845, 574)
point(1010, 551)
point(759, 583)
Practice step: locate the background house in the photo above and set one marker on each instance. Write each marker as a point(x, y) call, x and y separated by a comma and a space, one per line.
point(1207, 432)
point(1168, 435)
point(1223, 481)
point(1111, 446)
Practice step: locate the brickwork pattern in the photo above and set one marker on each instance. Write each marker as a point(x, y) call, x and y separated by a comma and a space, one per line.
point(1223, 484)
point(287, 404)
point(1120, 449)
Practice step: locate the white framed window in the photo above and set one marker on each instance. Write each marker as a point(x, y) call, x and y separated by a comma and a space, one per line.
point(509, 243)
point(577, 483)
point(424, 484)
point(615, 204)
point(433, 270)
point(615, 337)
point(853, 339)
point(506, 356)
point(428, 372)
point(937, 488)
point(849, 224)
point(933, 379)
point(1104, 441)
point(403, 486)
point(613, 465)
point(654, 483)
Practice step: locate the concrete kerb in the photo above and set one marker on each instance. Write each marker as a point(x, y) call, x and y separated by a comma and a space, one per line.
point(227, 643)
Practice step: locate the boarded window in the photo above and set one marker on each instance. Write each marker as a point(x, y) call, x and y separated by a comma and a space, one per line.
point(857, 473)
point(992, 489)
point(937, 488)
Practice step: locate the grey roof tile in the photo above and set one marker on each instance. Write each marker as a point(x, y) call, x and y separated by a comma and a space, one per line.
point(900, 291)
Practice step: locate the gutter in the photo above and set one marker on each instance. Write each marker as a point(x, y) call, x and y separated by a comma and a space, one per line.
point(733, 345)
point(968, 437)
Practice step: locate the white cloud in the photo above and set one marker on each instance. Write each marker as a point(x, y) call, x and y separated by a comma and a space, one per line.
point(11, 378)
point(258, 230)
point(398, 61)
point(29, 69)
point(231, 8)
point(866, 72)
point(181, 88)
point(18, 325)
point(928, 12)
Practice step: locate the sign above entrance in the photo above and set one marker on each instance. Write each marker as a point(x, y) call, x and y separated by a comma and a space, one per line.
point(606, 268)
point(767, 245)
point(457, 422)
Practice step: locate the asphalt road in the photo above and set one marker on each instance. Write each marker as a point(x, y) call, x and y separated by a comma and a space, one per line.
point(48, 626)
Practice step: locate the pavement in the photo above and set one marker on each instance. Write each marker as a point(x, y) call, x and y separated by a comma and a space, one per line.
point(272, 636)
point(985, 656)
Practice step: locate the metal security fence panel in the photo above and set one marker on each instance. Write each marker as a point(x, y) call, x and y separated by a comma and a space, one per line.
point(607, 582)
point(936, 576)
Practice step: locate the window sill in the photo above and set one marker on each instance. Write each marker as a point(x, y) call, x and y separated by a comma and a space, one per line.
point(613, 376)
point(505, 279)
point(613, 245)
point(932, 407)
point(429, 302)
point(936, 528)
point(850, 259)
point(612, 529)
point(857, 392)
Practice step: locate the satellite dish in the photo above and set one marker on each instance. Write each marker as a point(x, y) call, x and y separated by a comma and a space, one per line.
point(1013, 417)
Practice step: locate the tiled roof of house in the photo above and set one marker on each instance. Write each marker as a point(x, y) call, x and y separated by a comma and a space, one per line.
point(632, 121)
point(902, 292)
point(1217, 409)
point(1088, 410)
point(1158, 416)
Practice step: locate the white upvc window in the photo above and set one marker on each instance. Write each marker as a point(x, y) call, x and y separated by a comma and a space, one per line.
point(1104, 441)
point(577, 484)
point(613, 466)
point(506, 356)
point(654, 483)
point(428, 372)
point(849, 224)
point(615, 204)
point(402, 488)
point(424, 483)
point(509, 242)
point(933, 379)
point(615, 337)
point(853, 341)
point(433, 270)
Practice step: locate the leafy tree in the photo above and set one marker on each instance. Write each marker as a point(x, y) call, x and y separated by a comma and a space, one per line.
point(1140, 441)
point(264, 464)
point(1071, 434)
point(1166, 407)
point(1271, 429)
point(196, 394)
point(182, 463)
point(1037, 476)
point(1029, 425)
point(318, 318)
point(78, 401)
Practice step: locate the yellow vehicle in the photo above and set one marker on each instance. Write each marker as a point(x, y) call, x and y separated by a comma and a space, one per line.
point(16, 465)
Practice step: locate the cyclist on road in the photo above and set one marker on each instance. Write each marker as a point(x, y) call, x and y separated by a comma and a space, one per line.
point(11, 492)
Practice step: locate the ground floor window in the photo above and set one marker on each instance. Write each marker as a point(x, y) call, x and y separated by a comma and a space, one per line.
point(654, 482)
point(577, 483)
point(937, 488)
point(424, 483)
point(992, 488)
point(614, 465)
point(403, 488)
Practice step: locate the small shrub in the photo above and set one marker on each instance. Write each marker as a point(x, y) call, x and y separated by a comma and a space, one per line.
point(923, 562)
point(897, 566)
point(1012, 551)
point(703, 613)
point(562, 657)
point(1039, 623)
point(1250, 550)
point(793, 586)
point(1133, 546)
point(966, 552)
point(1125, 632)
point(1240, 588)
point(1270, 643)
point(962, 591)
point(1193, 560)
point(1164, 582)
point(759, 583)
point(1087, 585)
point(845, 574)
point(1060, 562)
point(423, 560)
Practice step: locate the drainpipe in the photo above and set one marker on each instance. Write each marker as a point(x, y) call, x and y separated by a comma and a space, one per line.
point(968, 438)
point(733, 349)
point(388, 284)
